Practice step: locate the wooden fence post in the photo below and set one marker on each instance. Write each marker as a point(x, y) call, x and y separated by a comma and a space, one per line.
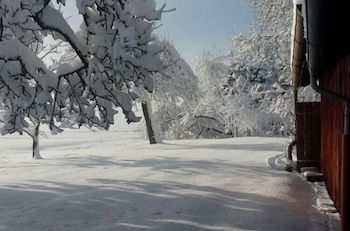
point(150, 131)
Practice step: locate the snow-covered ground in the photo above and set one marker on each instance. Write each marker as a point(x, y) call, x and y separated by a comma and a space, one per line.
point(117, 181)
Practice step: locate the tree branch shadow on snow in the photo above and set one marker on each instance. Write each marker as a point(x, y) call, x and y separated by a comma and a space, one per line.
point(106, 204)
point(170, 165)
point(233, 146)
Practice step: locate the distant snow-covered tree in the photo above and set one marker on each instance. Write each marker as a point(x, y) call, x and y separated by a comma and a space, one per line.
point(248, 92)
point(175, 96)
point(260, 68)
point(114, 50)
point(209, 112)
point(218, 116)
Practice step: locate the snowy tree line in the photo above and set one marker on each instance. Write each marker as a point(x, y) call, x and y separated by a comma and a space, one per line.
point(247, 92)
point(115, 59)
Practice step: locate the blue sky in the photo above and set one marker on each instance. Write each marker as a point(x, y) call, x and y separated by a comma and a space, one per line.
point(196, 24)
point(201, 24)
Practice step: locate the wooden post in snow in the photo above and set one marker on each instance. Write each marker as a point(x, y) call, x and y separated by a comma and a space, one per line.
point(150, 131)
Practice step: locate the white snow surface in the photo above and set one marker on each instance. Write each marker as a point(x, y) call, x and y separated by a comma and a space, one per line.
point(117, 181)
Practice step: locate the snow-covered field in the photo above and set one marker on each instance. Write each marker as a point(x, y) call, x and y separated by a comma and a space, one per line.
point(117, 181)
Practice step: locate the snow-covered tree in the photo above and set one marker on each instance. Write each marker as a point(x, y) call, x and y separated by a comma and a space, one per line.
point(260, 68)
point(218, 116)
point(114, 50)
point(175, 96)
point(248, 92)
point(210, 111)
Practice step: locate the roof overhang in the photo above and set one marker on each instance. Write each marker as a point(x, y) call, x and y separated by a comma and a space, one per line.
point(328, 37)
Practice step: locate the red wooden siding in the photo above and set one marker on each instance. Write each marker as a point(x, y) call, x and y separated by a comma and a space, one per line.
point(337, 79)
point(308, 131)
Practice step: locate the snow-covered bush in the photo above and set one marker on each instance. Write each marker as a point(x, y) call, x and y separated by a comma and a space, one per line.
point(217, 115)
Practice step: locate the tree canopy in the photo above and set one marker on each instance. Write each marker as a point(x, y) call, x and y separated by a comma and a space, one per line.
point(114, 51)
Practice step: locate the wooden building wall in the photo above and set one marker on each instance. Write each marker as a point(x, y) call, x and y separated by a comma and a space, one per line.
point(336, 79)
point(308, 132)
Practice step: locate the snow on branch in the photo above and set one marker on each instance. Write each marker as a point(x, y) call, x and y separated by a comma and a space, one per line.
point(115, 50)
point(51, 19)
point(14, 50)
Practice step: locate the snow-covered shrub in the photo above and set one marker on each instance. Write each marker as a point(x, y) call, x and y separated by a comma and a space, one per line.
point(217, 115)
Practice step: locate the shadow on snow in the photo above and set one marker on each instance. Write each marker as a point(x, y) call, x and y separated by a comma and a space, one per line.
point(109, 204)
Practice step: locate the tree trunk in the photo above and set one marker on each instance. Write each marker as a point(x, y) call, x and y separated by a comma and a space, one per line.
point(199, 135)
point(35, 137)
point(290, 149)
point(150, 131)
point(1, 28)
